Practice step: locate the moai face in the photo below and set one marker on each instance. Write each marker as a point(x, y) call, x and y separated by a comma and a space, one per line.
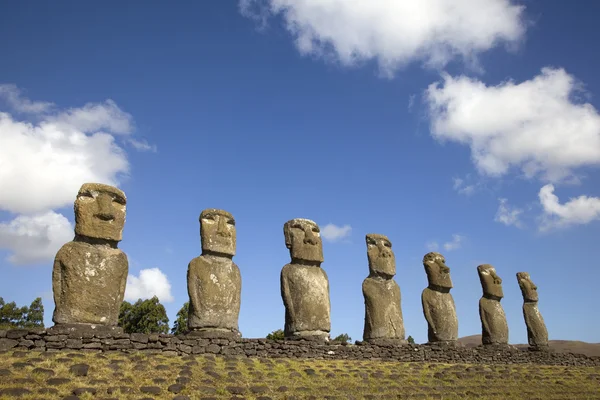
point(438, 273)
point(528, 288)
point(217, 232)
point(303, 238)
point(100, 212)
point(382, 261)
point(490, 282)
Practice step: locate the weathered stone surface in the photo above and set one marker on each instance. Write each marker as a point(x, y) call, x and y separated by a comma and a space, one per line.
point(90, 273)
point(383, 312)
point(214, 281)
point(100, 212)
point(260, 349)
point(304, 284)
point(7, 344)
point(493, 320)
point(537, 333)
point(438, 303)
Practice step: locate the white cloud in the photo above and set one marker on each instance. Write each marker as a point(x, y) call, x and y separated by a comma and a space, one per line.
point(46, 154)
point(432, 246)
point(151, 282)
point(142, 145)
point(455, 243)
point(462, 188)
point(12, 95)
point(508, 215)
point(36, 238)
point(537, 125)
point(43, 163)
point(576, 211)
point(334, 233)
point(394, 32)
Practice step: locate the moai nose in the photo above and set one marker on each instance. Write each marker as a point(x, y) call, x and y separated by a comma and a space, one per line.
point(105, 208)
point(309, 237)
point(222, 227)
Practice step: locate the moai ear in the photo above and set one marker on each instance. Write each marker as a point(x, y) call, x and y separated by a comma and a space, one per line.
point(287, 234)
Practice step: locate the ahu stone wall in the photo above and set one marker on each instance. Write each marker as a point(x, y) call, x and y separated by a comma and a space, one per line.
point(41, 340)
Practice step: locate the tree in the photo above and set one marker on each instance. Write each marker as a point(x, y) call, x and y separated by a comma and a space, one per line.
point(144, 316)
point(12, 316)
point(35, 315)
point(410, 340)
point(276, 335)
point(181, 323)
point(343, 338)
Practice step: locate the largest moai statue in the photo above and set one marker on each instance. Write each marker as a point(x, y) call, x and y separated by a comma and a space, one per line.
point(304, 284)
point(90, 272)
point(214, 281)
point(438, 304)
point(383, 312)
point(537, 334)
point(493, 320)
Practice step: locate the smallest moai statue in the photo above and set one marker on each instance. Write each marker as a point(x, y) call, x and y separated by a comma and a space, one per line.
point(383, 312)
point(537, 334)
point(438, 304)
point(493, 320)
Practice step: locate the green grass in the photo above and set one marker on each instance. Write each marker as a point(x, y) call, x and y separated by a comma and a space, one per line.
point(284, 378)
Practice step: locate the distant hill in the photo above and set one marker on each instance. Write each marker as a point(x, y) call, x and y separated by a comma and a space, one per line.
point(561, 346)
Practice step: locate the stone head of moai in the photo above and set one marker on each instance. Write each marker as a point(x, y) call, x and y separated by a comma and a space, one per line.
point(303, 238)
point(382, 261)
point(528, 288)
point(217, 232)
point(100, 212)
point(438, 273)
point(490, 281)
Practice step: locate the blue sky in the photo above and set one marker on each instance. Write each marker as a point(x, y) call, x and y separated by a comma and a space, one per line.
point(472, 129)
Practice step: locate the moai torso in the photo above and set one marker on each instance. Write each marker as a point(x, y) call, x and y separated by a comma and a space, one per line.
point(304, 284)
point(537, 333)
point(438, 303)
point(383, 312)
point(90, 273)
point(214, 281)
point(493, 320)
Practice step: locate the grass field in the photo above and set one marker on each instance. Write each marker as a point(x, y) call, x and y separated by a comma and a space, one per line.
point(137, 376)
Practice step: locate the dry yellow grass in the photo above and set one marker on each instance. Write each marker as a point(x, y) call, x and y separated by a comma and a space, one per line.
point(224, 378)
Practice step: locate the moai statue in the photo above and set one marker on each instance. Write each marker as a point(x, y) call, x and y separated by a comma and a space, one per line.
point(383, 313)
point(438, 304)
point(214, 281)
point(304, 284)
point(537, 334)
point(493, 320)
point(90, 272)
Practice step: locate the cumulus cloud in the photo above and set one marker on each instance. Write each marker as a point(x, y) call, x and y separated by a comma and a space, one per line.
point(537, 126)
point(576, 211)
point(508, 215)
point(12, 96)
point(36, 238)
point(43, 164)
point(150, 282)
point(391, 32)
point(46, 153)
point(334, 233)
